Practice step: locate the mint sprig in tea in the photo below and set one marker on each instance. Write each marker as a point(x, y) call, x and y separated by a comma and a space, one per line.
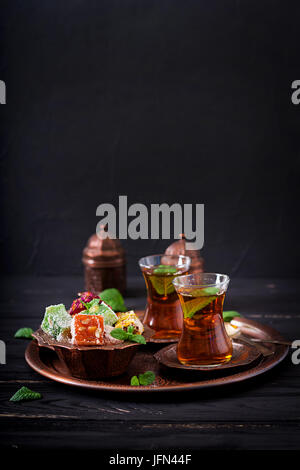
point(163, 312)
point(204, 340)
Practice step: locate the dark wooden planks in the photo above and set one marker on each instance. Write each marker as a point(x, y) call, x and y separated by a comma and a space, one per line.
point(65, 434)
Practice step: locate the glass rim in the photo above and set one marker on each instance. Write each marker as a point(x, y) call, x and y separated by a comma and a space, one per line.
point(178, 280)
point(187, 260)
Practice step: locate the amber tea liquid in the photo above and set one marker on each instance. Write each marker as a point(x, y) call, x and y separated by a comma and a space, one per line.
point(204, 340)
point(163, 313)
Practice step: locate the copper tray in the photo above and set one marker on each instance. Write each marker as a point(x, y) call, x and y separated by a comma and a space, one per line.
point(45, 362)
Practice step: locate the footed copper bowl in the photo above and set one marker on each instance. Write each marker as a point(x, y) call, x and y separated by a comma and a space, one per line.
point(91, 362)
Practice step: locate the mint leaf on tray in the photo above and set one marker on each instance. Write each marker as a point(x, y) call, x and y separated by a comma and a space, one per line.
point(147, 378)
point(24, 333)
point(134, 381)
point(143, 379)
point(25, 394)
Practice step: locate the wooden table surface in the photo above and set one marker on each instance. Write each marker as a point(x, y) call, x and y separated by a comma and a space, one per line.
point(262, 413)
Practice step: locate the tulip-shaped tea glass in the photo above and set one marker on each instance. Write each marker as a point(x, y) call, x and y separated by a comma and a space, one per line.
point(204, 341)
point(163, 312)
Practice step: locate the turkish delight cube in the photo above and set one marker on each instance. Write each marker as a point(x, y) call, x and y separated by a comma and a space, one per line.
point(108, 339)
point(108, 314)
point(87, 330)
point(56, 321)
point(126, 319)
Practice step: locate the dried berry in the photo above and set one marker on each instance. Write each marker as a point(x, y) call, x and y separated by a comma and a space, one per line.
point(78, 304)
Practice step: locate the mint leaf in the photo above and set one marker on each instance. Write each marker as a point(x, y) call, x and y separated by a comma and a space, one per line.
point(123, 335)
point(114, 299)
point(164, 269)
point(24, 333)
point(134, 381)
point(162, 284)
point(143, 379)
point(25, 393)
point(209, 291)
point(147, 378)
point(198, 303)
point(84, 304)
point(136, 338)
point(230, 314)
point(93, 305)
point(130, 329)
point(118, 333)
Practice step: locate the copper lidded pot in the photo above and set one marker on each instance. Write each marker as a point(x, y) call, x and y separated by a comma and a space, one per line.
point(179, 248)
point(104, 263)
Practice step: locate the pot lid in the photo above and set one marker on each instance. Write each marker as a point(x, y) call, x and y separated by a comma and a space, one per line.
point(101, 247)
point(179, 248)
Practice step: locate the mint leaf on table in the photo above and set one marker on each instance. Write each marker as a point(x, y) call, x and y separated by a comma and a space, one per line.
point(25, 394)
point(147, 378)
point(114, 299)
point(24, 333)
point(143, 379)
point(230, 314)
point(123, 335)
point(134, 381)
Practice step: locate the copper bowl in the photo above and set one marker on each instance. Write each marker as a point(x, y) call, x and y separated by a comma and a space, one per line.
point(91, 362)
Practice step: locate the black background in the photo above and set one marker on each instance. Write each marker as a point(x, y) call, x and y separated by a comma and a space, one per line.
point(163, 101)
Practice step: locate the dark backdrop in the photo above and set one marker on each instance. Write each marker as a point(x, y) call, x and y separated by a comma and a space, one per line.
point(163, 101)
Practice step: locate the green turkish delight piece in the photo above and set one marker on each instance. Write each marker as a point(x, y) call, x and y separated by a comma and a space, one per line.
point(108, 314)
point(97, 307)
point(57, 321)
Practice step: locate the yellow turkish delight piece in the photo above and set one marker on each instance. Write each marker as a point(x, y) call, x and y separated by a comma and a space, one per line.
point(126, 319)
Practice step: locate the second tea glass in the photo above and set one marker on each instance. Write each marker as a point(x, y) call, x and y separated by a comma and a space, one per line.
point(163, 312)
point(204, 341)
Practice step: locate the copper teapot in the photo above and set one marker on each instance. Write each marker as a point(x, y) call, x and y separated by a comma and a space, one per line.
point(179, 248)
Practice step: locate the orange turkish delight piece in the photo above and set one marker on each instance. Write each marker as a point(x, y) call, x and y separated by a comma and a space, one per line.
point(87, 330)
